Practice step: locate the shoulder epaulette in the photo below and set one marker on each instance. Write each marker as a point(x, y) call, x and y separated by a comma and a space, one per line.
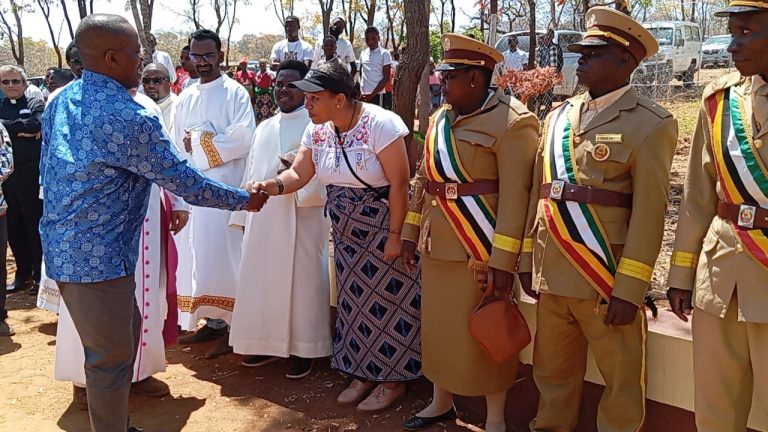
point(722, 83)
point(653, 107)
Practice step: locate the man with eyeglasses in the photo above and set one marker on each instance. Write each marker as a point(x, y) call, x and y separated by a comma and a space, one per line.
point(75, 64)
point(214, 125)
point(20, 115)
point(156, 82)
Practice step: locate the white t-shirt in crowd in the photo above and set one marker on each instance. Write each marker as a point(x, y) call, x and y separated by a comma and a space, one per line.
point(297, 50)
point(372, 66)
point(515, 60)
point(164, 59)
point(344, 51)
point(376, 129)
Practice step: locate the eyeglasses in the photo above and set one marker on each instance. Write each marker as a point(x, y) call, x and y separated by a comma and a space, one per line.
point(14, 81)
point(155, 81)
point(77, 61)
point(209, 57)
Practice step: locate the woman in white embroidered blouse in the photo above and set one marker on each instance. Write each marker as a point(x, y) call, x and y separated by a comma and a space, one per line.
point(357, 151)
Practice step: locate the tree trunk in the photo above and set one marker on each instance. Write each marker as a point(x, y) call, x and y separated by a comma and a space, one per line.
point(425, 101)
point(532, 39)
point(231, 22)
point(413, 61)
point(453, 16)
point(82, 7)
point(16, 50)
point(19, 30)
point(326, 9)
point(45, 8)
point(66, 18)
point(141, 29)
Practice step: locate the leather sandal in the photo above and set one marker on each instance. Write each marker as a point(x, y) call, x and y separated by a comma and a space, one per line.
point(380, 399)
point(353, 394)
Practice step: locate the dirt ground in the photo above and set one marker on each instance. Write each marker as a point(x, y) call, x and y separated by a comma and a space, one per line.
point(222, 395)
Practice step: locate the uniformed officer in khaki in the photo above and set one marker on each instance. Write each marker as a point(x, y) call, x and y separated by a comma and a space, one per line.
point(719, 262)
point(596, 221)
point(486, 143)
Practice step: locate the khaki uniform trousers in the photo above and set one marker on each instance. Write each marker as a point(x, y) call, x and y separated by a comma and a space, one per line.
point(566, 327)
point(730, 357)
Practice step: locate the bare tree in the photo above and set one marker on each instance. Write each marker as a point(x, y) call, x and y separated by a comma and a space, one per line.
point(14, 33)
point(395, 31)
point(142, 17)
point(66, 18)
point(82, 7)
point(532, 39)
point(368, 12)
point(326, 9)
point(192, 13)
point(350, 15)
point(221, 9)
point(45, 8)
point(414, 60)
point(283, 8)
point(231, 21)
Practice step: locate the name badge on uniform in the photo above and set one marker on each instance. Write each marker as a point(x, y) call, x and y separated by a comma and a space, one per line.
point(556, 190)
point(601, 152)
point(747, 216)
point(609, 138)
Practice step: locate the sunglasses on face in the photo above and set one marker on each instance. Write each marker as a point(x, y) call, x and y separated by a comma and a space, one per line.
point(11, 81)
point(77, 61)
point(153, 80)
point(209, 57)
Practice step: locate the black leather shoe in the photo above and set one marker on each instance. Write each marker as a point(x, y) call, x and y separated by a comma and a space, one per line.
point(17, 286)
point(135, 429)
point(416, 423)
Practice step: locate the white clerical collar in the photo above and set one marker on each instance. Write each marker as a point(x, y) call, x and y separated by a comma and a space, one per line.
point(295, 113)
point(605, 100)
point(218, 81)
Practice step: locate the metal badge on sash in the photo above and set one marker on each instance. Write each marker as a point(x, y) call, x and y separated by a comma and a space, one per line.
point(601, 152)
point(747, 216)
point(451, 191)
point(556, 190)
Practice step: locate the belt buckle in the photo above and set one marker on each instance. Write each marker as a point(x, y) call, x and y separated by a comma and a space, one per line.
point(556, 189)
point(747, 216)
point(451, 191)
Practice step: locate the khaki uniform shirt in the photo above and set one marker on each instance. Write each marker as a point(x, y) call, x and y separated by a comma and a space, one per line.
point(497, 142)
point(708, 258)
point(644, 136)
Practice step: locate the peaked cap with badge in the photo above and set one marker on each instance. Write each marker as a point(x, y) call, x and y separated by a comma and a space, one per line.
point(461, 52)
point(607, 26)
point(594, 230)
point(743, 6)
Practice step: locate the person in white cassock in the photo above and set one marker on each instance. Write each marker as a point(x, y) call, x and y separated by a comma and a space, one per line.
point(155, 296)
point(214, 124)
point(156, 82)
point(283, 294)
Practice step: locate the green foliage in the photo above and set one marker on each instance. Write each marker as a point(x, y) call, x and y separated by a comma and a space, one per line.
point(474, 33)
point(435, 46)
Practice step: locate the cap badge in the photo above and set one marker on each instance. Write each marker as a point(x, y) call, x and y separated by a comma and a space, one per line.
point(446, 44)
point(592, 20)
point(601, 152)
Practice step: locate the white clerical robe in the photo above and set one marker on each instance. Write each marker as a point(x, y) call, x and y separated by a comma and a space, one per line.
point(151, 284)
point(221, 119)
point(282, 296)
point(168, 108)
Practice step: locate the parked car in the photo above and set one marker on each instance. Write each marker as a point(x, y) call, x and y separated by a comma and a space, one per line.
point(679, 53)
point(563, 38)
point(714, 51)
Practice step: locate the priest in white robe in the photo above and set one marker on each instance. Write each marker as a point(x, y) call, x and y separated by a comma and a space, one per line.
point(282, 298)
point(155, 296)
point(214, 123)
point(156, 83)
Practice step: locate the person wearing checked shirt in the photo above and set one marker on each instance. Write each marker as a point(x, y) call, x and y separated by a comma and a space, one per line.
point(595, 221)
point(720, 256)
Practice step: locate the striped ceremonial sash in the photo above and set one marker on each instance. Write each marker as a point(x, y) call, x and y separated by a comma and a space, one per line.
point(471, 217)
point(575, 226)
point(741, 172)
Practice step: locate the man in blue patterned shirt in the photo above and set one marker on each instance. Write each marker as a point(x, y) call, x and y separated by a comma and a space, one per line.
point(102, 152)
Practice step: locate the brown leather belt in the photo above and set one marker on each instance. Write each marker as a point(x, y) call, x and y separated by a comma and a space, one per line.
point(745, 215)
point(454, 190)
point(585, 194)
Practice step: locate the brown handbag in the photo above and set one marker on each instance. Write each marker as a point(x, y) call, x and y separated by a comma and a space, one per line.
point(497, 324)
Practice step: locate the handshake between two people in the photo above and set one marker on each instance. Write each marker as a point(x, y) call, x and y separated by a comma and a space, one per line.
point(259, 195)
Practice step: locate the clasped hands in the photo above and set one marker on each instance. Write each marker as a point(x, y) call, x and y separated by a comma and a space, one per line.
point(259, 195)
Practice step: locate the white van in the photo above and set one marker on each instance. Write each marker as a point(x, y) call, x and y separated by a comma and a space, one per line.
point(563, 38)
point(679, 53)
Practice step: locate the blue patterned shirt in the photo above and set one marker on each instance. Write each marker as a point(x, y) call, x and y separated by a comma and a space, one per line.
point(101, 152)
